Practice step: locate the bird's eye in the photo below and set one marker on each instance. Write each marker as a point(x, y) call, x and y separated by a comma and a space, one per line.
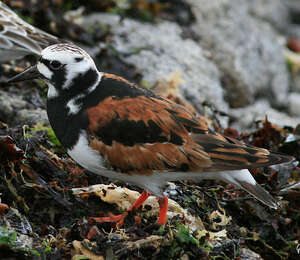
point(55, 65)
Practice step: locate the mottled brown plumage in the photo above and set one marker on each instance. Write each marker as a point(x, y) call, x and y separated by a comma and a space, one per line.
point(201, 148)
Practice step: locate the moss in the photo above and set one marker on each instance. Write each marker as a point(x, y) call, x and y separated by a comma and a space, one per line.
point(7, 237)
point(50, 133)
point(184, 235)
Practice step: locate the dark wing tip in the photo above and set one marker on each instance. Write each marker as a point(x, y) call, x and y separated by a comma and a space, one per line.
point(261, 194)
point(235, 156)
point(278, 158)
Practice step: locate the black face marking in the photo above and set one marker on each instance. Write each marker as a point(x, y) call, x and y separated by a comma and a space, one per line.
point(80, 84)
point(129, 132)
point(55, 65)
point(78, 59)
point(52, 65)
point(44, 61)
point(59, 76)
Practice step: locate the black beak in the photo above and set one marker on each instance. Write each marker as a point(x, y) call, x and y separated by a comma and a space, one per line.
point(30, 73)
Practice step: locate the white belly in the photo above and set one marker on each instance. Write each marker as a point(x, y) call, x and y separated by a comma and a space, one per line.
point(91, 160)
point(86, 156)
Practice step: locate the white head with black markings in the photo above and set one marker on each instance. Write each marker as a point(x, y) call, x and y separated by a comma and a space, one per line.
point(63, 67)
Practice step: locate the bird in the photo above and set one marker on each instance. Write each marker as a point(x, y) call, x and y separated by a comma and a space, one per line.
point(18, 38)
point(123, 131)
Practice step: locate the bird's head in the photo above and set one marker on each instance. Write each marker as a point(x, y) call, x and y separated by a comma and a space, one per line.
point(61, 66)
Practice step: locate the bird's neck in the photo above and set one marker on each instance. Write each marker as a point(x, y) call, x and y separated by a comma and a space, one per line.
point(65, 107)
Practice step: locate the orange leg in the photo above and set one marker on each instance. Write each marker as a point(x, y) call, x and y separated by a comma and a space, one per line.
point(119, 219)
point(163, 209)
point(139, 201)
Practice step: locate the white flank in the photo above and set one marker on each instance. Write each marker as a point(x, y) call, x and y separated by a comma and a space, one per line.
point(233, 177)
point(83, 154)
point(240, 175)
point(91, 160)
point(43, 69)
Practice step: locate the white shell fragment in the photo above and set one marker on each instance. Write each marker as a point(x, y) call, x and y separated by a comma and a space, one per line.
point(124, 197)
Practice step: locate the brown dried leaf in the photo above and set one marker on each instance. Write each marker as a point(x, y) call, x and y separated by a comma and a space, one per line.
point(9, 152)
point(294, 44)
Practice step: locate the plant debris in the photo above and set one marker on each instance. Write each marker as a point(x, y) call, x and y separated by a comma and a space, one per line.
point(46, 200)
point(9, 152)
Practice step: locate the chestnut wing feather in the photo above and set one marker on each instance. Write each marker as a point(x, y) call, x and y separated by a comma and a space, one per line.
point(142, 134)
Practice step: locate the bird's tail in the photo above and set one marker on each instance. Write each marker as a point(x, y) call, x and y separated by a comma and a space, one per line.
point(243, 179)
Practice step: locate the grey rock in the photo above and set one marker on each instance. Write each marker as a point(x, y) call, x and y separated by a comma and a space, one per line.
point(275, 12)
point(14, 110)
point(9, 105)
point(31, 116)
point(246, 50)
point(246, 117)
point(158, 51)
point(293, 5)
point(293, 30)
point(248, 54)
point(294, 104)
point(295, 82)
point(294, 12)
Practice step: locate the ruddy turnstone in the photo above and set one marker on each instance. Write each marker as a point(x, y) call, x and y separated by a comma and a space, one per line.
point(18, 38)
point(122, 131)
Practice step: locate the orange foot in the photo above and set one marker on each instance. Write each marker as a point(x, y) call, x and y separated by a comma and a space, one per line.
point(119, 219)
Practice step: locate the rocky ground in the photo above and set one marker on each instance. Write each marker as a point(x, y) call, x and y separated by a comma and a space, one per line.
point(233, 61)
